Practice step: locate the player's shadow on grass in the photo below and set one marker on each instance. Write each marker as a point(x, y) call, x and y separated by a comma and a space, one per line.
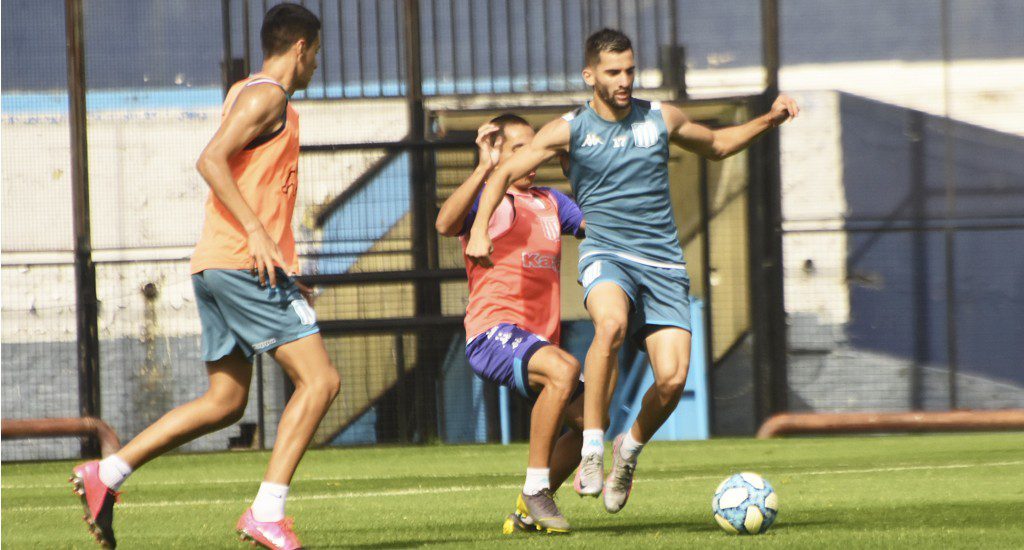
point(634, 525)
point(788, 524)
point(404, 543)
point(687, 526)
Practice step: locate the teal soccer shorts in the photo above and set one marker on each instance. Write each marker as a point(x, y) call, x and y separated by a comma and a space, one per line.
point(235, 311)
point(660, 296)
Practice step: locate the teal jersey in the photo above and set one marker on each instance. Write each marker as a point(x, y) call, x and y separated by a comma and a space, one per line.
point(619, 174)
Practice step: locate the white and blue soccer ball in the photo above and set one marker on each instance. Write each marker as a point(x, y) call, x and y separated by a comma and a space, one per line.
point(745, 504)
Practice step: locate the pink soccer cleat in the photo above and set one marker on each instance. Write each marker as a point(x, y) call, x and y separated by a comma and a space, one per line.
point(98, 500)
point(276, 535)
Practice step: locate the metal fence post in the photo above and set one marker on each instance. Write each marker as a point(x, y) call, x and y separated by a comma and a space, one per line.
point(767, 239)
point(423, 201)
point(86, 304)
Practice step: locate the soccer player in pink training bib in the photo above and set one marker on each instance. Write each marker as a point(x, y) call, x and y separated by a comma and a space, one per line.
point(513, 318)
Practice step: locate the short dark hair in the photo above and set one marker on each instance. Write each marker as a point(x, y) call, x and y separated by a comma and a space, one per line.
point(605, 40)
point(509, 119)
point(286, 24)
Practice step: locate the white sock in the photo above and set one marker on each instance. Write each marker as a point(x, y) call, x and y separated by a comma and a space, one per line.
point(536, 480)
point(269, 503)
point(593, 442)
point(113, 471)
point(630, 447)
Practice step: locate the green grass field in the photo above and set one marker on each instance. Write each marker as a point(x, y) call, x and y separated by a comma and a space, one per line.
point(921, 492)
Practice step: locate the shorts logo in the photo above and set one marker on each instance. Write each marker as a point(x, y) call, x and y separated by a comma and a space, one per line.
point(536, 260)
point(503, 338)
point(645, 134)
point(264, 344)
point(516, 342)
point(591, 273)
point(306, 314)
point(552, 228)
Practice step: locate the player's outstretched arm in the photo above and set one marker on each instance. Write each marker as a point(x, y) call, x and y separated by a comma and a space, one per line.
point(453, 213)
point(549, 141)
point(724, 142)
point(256, 110)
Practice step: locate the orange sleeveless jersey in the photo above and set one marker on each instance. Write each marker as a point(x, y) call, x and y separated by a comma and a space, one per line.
point(266, 172)
point(523, 287)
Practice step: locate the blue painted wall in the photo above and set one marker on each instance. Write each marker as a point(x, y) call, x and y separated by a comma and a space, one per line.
point(894, 175)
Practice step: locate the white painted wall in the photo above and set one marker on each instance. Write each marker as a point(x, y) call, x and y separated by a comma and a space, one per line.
point(146, 207)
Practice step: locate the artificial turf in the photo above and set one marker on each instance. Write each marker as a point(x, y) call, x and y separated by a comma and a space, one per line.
point(927, 491)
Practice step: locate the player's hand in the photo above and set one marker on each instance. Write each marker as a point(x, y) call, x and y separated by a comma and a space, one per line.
point(479, 249)
point(308, 292)
point(486, 143)
point(783, 109)
point(265, 254)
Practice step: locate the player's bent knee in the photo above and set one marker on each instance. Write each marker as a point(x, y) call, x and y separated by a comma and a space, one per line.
point(227, 403)
point(234, 415)
point(569, 366)
point(610, 331)
point(671, 389)
point(565, 377)
point(226, 410)
point(330, 383)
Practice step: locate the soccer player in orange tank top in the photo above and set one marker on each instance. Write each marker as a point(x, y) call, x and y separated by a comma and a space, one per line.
point(514, 315)
point(248, 301)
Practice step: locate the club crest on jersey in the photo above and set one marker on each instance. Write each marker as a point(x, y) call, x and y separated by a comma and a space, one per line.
point(645, 134)
point(592, 140)
point(552, 228)
point(536, 260)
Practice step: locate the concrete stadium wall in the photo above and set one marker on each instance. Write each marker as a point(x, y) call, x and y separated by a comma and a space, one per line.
point(146, 202)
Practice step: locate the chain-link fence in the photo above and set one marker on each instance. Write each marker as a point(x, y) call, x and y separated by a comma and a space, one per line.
point(900, 193)
point(903, 202)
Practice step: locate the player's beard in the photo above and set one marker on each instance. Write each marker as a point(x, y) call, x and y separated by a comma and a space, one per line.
point(609, 98)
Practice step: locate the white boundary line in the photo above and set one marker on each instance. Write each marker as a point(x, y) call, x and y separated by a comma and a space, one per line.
point(255, 480)
point(464, 489)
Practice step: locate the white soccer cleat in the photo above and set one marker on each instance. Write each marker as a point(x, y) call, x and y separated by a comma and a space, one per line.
point(619, 484)
point(589, 480)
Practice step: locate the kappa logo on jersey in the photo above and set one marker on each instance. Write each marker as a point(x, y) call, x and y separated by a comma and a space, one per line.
point(592, 140)
point(619, 142)
point(536, 260)
point(552, 227)
point(645, 134)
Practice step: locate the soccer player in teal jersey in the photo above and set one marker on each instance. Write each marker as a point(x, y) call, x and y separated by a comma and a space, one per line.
point(631, 264)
